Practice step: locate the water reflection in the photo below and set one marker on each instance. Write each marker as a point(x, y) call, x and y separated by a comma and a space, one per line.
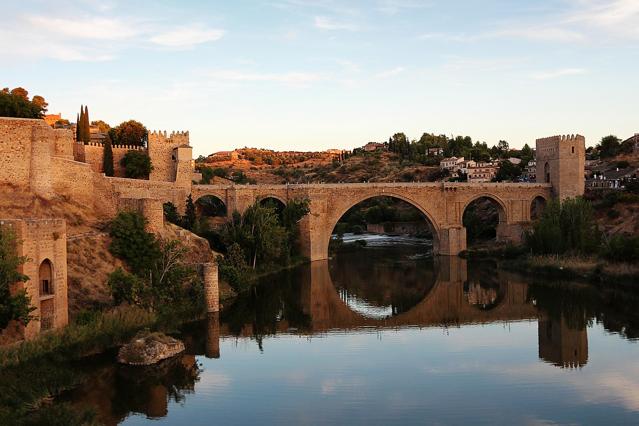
point(346, 299)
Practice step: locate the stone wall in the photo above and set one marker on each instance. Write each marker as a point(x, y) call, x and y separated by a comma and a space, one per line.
point(15, 151)
point(41, 241)
point(73, 179)
point(161, 150)
point(94, 155)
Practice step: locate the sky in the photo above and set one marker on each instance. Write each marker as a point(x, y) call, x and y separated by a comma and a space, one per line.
point(318, 74)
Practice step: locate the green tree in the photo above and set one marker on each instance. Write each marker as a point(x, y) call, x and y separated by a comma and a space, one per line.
point(171, 213)
point(107, 157)
point(609, 146)
point(16, 103)
point(16, 306)
point(566, 227)
point(137, 165)
point(507, 172)
point(130, 133)
point(190, 215)
point(102, 126)
point(131, 243)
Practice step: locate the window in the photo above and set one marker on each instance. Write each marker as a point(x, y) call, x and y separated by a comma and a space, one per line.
point(573, 149)
point(46, 278)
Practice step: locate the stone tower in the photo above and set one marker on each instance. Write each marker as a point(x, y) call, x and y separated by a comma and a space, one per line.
point(560, 162)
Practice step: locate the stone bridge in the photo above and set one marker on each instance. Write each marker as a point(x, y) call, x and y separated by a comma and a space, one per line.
point(442, 204)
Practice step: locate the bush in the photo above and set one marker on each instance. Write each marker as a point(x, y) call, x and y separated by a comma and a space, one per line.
point(16, 306)
point(621, 248)
point(131, 243)
point(613, 214)
point(568, 227)
point(126, 287)
point(137, 165)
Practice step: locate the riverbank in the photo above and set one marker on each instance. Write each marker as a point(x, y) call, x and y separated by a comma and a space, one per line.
point(591, 269)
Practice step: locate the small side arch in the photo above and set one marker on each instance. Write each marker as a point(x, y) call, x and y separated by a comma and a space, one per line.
point(537, 206)
point(45, 278)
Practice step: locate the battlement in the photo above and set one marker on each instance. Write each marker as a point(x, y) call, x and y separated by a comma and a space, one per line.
point(561, 138)
point(127, 147)
point(173, 138)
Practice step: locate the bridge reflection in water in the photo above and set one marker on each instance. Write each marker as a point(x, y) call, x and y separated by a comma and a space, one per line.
point(453, 298)
point(316, 301)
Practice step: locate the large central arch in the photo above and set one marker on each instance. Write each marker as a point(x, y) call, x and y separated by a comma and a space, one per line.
point(338, 213)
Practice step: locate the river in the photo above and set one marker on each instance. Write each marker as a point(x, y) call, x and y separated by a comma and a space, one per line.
point(385, 334)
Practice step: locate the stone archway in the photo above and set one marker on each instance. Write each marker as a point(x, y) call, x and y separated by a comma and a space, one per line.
point(484, 219)
point(337, 213)
point(46, 284)
point(537, 206)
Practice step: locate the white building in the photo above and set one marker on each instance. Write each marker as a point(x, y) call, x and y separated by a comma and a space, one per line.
point(451, 164)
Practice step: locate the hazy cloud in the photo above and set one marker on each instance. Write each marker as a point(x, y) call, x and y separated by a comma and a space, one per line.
point(325, 23)
point(547, 75)
point(187, 37)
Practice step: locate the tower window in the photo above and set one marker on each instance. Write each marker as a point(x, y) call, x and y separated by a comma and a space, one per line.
point(573, 149)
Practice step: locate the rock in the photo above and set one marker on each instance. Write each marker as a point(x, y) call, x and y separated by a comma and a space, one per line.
point(149, 349)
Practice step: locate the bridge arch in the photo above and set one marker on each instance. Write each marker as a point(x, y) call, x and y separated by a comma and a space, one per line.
point(211, 205)
point(537, 206)
point(502, 208)
point(352, 202)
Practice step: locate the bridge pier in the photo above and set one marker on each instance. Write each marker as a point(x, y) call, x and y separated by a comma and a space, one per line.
point(510, 232)
point(452, 241)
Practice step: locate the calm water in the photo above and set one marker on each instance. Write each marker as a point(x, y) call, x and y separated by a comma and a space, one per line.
point(387, 336)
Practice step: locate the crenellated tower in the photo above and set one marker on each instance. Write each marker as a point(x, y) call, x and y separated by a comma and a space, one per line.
point(171, 156)
point(561, 162)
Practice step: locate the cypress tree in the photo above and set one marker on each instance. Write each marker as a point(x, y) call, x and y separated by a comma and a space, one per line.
point(190, 217)
point(107, 157)
point(77, 128)
point(86, 133)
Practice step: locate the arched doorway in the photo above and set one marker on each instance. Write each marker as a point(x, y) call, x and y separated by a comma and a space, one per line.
point(381, 262)
point(46, 291)
point(481, 218)
point(537, 207)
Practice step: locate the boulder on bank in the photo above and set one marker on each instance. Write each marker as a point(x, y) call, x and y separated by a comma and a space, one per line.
point(149, 349)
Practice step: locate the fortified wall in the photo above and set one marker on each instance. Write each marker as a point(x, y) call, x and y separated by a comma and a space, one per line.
point(561, 162)
point(46, 162)
point(44, 244)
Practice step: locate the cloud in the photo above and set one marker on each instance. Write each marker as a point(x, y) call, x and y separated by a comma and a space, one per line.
point(93, 37)
point(187, 37)
point(390, 73)
point(392, 7)
point(533, 33)
point(84, 27)
point(325, 23)
point(547, 75)
point(287, 78)
point(618, 17)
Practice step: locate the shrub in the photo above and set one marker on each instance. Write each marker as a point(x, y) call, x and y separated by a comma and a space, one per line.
point(567, 227)
point(170, 213)
point(137, 165)
point(613, 214)
point(15, 306)
point(126, 287)
point(131, 243)
point(621, 248)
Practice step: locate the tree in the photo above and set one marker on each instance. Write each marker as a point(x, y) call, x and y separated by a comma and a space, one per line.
point(102, 126)
point(137, 165)
point(171, 213)
point(20, 92)
point(77, 128)
point(39, 101)
point(16, 306)
point(507, 171)
point(16, 103)
point(609, 146)
point(130, 133)
point(86, 131)
point(107, 157)
point(190, 216)
point(566, 227)
point(526, 154)
point(131, 243)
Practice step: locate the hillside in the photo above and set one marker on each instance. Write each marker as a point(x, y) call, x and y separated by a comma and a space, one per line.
point(269, 167)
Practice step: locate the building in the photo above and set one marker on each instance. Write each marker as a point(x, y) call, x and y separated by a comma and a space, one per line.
point(530, 171)
point(373, 146)
point(465, 165)
point(569, 151)
point(452, 164)
point(482, 172)
point(435, 152)
point(612, 179)
point(514, 160)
